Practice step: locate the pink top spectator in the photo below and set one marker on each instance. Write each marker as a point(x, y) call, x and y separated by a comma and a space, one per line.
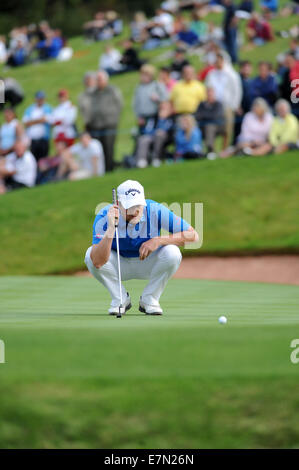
point(254, 129)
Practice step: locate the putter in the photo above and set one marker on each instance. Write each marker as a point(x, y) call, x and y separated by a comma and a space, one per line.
point(121, 308)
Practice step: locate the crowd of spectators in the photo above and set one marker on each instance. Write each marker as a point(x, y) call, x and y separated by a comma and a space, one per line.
point(32, 43)
point(222, 108)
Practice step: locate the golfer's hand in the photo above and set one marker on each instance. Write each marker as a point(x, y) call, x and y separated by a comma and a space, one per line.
point(148, 247)
point(113, 215)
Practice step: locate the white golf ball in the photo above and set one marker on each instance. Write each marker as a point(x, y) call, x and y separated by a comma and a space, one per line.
point(222, 319)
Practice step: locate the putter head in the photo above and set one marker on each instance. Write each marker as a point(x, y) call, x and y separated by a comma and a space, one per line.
point(121, 312)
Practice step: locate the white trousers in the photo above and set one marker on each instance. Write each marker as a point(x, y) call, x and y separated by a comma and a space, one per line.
point(158, 267)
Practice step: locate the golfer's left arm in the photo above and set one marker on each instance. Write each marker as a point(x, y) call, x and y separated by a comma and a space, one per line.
point(179, 239)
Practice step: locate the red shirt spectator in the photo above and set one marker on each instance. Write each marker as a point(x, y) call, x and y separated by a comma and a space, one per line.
point(260, 28)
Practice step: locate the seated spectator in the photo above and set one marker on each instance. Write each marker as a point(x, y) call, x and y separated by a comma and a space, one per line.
point(187, 94)
point(255, 129)
point(188, 144)
point(166, 79)
point(211, 119)
point(48, 166)
point(269, 5)
point(187, 36)
point(113, 26)
point(10, 131)
point(37, 127)
point(138, 27)
point(3, 50)
point(85, 98)
point(17, 169)
point(155, 136)
point(284, 132)
point(129, 59)
point(198, 26)
point(265, 84)
point(178, 63)
point(215, 33)
point(178, 22)
point(63, 118)
point(110, 60)
point(148, 96)
point(246, 5)
point(13, 93)
point(161, 26)
point(18, 55)
point(258, 30)
point(90, 159)
point(50, 47)
point(93, 28)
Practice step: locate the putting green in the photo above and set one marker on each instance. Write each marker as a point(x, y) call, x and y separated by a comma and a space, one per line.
point(75, 377)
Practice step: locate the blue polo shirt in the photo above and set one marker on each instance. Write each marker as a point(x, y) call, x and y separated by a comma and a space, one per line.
point(154, 218)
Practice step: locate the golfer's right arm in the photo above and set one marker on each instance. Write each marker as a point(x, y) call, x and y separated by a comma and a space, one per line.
point(100, 253)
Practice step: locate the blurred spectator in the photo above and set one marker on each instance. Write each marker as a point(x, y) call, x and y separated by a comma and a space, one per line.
point(245, 75)
point(269, 5)
point(155, 136)
point(17, 169)
point(50, 47)
point(188, 92)
point(178, 63)
point(230, 28)
point(10, 131)
point(90, 159)
point(148, 96)
point(13, 92)
point(198, 26)
point(48, 166)
point(3, 50)
point(187, 36)
point(159, 28)
point(17, 55)
point(85, 98)
point(188, 143)
point(110, 60)
point(178, 22)
point(246, 5)
point(166, 79)
point(289, 86)
point(103, 26)
point(265, 84)
point(210, 118)
point(138, 26)
point(130, 60)
point(37, 127)
point(284, 132)
point(106, 104)
point(259, 30)
point(63, 118)
point(228, 90)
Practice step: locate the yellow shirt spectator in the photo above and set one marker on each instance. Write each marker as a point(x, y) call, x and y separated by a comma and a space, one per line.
point(284, 130)
point(187, 95)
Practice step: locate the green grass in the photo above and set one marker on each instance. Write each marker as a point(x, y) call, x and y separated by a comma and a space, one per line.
point(250, 206)
point(75, 377)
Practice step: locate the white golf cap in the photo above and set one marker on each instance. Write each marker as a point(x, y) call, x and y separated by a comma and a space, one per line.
point(131, 193)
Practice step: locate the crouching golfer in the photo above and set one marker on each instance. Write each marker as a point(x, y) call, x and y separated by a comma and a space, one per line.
point(144, 253)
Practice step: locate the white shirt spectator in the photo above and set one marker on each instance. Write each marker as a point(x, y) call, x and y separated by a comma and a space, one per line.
point(255, 130)
point(25, 168)
point(110, 60)
point(227, 86)
point(164, 21)
point(35, 112)
point(87, 154)
point(3, 52)
point(63, 119)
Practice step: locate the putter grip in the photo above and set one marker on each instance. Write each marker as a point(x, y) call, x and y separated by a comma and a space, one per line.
point(114, 201)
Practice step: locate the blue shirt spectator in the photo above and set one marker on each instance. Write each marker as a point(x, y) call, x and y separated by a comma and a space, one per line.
point(188, 138)
point(264, 85)
point(271, 5)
